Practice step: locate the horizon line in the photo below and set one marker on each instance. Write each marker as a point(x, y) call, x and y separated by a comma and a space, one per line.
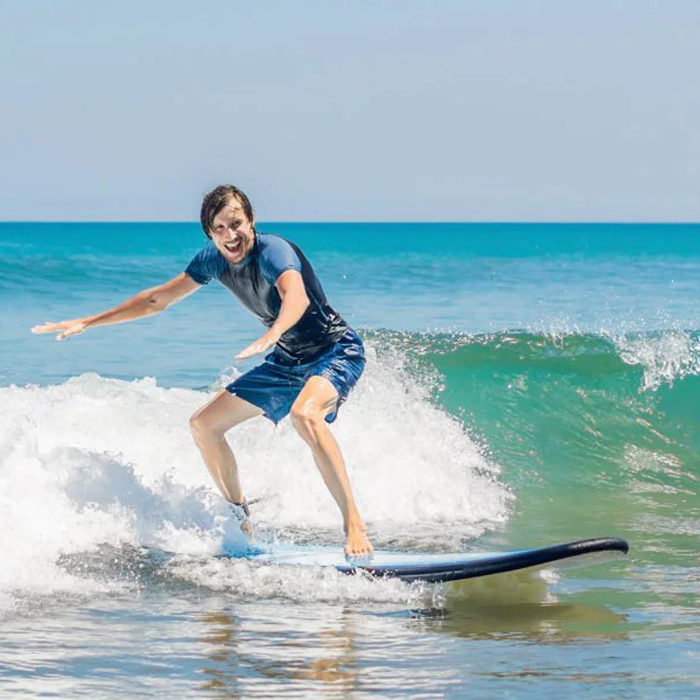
point(552, 222)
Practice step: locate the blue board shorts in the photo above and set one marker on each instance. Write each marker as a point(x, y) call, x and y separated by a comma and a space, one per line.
point(274, 385)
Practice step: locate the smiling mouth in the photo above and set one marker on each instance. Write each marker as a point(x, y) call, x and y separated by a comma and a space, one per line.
point(234, 247)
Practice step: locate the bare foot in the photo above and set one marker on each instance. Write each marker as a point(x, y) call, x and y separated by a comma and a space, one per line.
point(241, 514)
point(358, 545)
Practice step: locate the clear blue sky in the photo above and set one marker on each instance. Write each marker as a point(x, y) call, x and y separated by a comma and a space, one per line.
point(351, 109)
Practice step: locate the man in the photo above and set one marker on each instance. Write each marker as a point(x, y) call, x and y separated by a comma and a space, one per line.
point(316, 358)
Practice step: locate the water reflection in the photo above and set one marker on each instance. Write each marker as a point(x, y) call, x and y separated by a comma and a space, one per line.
point(544, 622)
point(280, 646)
point(220, 632)
point(265, 647)
point(324, 651)
point(522, 605)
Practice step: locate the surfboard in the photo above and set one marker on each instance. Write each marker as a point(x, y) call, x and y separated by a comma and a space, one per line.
point(440, 568)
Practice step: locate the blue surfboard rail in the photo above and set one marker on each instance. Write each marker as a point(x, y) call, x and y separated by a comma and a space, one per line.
point(492, 563)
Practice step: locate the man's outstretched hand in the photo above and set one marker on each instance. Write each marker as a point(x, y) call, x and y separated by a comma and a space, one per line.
point(63, 328)
point(260, 345)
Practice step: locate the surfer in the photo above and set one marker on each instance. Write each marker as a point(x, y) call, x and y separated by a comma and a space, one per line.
point(315, 361)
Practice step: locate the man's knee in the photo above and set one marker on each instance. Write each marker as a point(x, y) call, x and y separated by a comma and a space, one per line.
point(308, 421)
point(200, 428)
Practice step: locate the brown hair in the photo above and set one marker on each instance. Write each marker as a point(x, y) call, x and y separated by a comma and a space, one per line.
point(217, 199)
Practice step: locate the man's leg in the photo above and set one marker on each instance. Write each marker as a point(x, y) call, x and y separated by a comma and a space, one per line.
point(316, 400)
point(209, 425)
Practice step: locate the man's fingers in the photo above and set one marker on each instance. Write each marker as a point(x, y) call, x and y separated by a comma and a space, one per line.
point(66, 328)
point(43, 328)
point(260, 345)
point(49, 327)
point(251, 350)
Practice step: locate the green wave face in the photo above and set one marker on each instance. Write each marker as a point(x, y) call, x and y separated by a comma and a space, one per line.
point(596, 435)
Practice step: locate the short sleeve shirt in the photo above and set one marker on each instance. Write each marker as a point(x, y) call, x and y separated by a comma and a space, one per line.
point(253, 282)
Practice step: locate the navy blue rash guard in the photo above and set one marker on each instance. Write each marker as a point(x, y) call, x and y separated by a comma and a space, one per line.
point(253, 282)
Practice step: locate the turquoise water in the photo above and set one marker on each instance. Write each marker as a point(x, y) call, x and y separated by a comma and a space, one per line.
point(526, 385)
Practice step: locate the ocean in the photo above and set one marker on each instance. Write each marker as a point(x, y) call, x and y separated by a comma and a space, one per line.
point(526, 385)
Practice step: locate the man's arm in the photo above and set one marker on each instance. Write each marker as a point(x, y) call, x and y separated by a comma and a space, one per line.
point(147, 302)
point(290, 285)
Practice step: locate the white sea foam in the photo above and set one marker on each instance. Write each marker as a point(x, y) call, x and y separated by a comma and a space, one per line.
point(98, 461)
point(665, 357)
point(244, 578)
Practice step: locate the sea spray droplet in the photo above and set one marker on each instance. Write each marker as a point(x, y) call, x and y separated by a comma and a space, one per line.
point(665, 356)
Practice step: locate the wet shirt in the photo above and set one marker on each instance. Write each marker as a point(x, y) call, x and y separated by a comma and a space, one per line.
point(253, 282)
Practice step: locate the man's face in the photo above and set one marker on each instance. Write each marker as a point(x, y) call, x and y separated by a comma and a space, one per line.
point(232, 233)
